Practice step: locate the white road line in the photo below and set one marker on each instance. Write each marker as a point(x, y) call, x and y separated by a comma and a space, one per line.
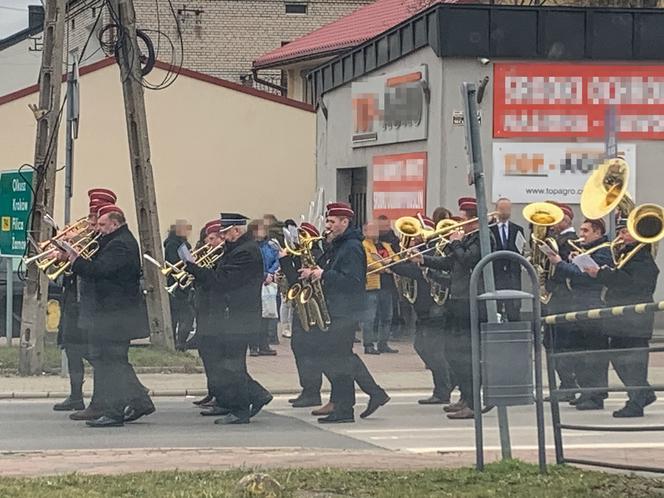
point(453, 449)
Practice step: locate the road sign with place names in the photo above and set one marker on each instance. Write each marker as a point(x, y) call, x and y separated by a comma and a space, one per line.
point(15, 207)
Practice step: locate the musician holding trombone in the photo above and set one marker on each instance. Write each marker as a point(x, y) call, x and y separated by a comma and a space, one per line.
point(461, 254)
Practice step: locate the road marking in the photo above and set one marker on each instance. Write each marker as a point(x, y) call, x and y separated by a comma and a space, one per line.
point(608, 446)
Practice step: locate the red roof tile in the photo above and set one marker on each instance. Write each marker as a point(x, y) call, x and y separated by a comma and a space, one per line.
point(357, 27)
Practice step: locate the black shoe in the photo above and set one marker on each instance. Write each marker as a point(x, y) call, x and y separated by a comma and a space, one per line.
point(371, 349)
point(258, 405)
point(433, 400)
point(215, 411)
point(267, 352)
point(306, 402)
point(231, 419)
point(132, 414)
point(104, 421)
point(253, 352)
point(69, 405)
point(338, 418)
point(293, 400)
point(385, 348)
point(202, 401)
point(590, 404)
point(375, 402)
point(630, 410)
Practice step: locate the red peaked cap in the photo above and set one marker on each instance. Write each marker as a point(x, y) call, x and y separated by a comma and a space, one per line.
point(213, 226)
point(107, 209)
point(467, 204)
point(310, 229)
point(339, 209)
point(102, 194)
point(96, 204)
point(566, 209)
point(428, 222)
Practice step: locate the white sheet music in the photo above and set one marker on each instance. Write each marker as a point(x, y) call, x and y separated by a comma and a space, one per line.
point(585, 261)
point(520, 242)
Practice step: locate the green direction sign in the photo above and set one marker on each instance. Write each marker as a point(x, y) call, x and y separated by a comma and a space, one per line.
point(15, 206)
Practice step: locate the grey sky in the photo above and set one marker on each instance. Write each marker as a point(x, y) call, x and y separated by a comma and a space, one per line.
point(14, 16)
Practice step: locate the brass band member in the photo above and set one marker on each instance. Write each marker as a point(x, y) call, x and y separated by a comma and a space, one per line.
point(461, 256)
point(630, 283)
point(234, 316)
point(591, 370)
point(116, 272)
point(77, 316)
point(430, 327)
point(562, 301)
point(182, 317)
point(343, 269)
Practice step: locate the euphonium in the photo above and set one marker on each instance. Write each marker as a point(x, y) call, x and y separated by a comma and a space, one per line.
point(408, 228)
point(541, 216)
point(606, 190)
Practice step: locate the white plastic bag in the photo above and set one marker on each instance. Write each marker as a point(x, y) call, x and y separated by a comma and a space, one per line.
point(269, 294)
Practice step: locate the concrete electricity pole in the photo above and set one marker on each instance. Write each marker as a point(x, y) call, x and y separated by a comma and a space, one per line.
point(47, 114)
point(159, 313)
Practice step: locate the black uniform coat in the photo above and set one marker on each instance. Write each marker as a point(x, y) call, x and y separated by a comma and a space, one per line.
point(425, 307)
point(507, 273)
point(586, 291)
point(345, 272)
point(119, 314)
point(562, 299)
point(69, 332)
point(171, 245)
point(233, 288)
point(634, 283)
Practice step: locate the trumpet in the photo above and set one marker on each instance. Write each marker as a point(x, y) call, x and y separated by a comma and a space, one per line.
point(88, 249)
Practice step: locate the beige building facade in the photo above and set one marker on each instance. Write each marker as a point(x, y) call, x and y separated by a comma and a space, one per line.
point(215, 146)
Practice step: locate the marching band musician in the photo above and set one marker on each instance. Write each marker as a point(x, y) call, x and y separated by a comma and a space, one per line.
point(586, 293)
point(461, 255)
point(234, 315)
point(115, 272)
point(562, 301)
point(632, 282)
point(429, 327)
point(343, 269)
point(77, 312)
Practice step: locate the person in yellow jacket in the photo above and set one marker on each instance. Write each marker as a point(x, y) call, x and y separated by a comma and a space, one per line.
point(377, 318)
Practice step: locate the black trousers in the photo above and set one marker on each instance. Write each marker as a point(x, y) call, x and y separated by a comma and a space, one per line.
point(430, 347)
point(261, 339)
point(307, 347)
point(339, 362)
point(76, 353)
point(458, 347)
point(116, 383)
point(228, 379)
point(591, 370)
point(206, 353)
point(558, 339)
point(632, 366)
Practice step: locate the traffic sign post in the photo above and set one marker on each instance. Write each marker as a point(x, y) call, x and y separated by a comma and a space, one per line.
point(15, 207)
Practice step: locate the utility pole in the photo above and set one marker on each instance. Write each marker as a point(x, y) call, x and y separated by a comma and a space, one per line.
point(158, 305)
point(47, 114)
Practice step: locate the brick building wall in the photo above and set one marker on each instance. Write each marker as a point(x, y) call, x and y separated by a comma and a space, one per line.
point(221, 37)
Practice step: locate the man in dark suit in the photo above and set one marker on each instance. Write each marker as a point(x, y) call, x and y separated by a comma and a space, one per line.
point(233, 317)
point(507, 273)
point(119, 318)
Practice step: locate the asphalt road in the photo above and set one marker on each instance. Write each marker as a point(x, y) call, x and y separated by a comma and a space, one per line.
point(401, 425)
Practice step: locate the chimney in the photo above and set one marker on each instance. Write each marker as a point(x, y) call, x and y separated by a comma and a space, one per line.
point(35, 16)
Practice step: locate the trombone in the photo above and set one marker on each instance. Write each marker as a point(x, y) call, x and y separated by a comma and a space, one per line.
point(410, 227)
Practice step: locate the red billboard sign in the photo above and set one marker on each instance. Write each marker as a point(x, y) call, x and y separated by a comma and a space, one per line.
point(399, 184)
point(570, 100)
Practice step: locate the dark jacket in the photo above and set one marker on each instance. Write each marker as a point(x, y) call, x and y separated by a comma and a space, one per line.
point(425, 307)
point(507, 273)
point(562, 299)
point(69, 332)
point(460, 258)
point(231, 301)
point(586, 291)
point(345, 272)
point(634, 283)
point(171, 245)
point(119, 312)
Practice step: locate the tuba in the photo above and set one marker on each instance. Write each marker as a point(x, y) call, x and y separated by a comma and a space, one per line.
point(606, 190)
point(542, 215)
point(646, 224)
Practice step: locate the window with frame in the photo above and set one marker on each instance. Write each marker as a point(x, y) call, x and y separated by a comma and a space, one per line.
point(297, 8)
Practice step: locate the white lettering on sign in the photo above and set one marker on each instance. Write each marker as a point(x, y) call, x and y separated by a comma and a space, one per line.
point(18, 185)
point(18, 245)
point(17, 224)
point(19, 205)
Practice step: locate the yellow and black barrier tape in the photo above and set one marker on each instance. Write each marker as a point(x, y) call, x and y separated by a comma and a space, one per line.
point(595, 314)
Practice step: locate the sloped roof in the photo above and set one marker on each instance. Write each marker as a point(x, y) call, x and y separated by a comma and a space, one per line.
point(349, 31)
